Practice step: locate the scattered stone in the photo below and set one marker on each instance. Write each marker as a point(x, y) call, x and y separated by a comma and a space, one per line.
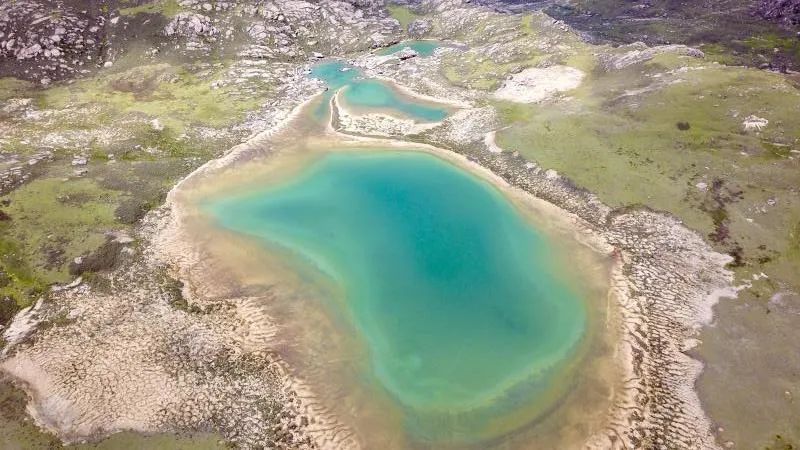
point(534, 85)
point(786, 12)
point(406, 53)
point(79, 161)
point(419, 28)
point(191, 26)
point(754, 123)
point(641, 53)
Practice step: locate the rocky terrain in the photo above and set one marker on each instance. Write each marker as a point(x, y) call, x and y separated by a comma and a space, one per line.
point(684, 166)
point(786, 12)
point(730, 31)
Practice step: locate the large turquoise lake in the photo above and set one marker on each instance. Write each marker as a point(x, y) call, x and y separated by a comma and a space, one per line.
point(469, 326)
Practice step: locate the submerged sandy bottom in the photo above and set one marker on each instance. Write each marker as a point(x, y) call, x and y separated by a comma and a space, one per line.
point(324, 347)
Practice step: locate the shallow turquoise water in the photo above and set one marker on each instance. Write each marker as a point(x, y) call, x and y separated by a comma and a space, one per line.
point(423, 48)
point(466, 321)
point(366, 93)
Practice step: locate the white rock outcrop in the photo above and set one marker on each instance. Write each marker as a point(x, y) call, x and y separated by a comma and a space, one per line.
point(537, 84)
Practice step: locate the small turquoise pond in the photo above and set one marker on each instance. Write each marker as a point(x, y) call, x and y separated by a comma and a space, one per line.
point(367, 93)
point(466, 321)
point(423, 48)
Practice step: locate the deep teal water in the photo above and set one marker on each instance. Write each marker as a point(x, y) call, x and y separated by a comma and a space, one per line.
point(366, 93)
point(466, 320)
point(423, 48)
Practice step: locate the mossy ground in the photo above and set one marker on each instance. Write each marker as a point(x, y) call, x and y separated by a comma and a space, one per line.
point(168, 8)
point(402, 14)
point(176, 96)
point(10, 87)
point(17, 430)
point(671, 125)
point(53, 220)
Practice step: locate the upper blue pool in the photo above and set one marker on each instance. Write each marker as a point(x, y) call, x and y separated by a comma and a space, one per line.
point(370, 94)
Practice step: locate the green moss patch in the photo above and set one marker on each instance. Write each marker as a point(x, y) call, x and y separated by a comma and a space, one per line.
point(53, 221)
point(12, 87)
point(176, 97)
point(402, 14)
point(168, 8)
point(772, 42)
point(17, 430)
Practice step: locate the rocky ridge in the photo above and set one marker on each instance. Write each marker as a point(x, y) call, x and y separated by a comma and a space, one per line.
point(786, 12)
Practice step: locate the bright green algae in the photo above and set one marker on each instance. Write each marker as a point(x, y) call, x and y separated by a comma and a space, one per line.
point(466, 320)
point(366, 93)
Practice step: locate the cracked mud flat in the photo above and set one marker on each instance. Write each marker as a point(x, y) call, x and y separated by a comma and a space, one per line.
point(218, 364)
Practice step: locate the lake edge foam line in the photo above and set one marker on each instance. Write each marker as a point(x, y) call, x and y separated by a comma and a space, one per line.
point(183, 252)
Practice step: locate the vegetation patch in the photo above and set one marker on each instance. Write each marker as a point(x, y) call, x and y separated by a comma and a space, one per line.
point(173, 288)
point(773, 42)
point(402, 14)
point(13, 87)
point(70, 216)
point(720, 54)
point(19, 283)
point(168, 8)
point(17, 430)
point(175, 96)
point(526, 44)
point(674, 126)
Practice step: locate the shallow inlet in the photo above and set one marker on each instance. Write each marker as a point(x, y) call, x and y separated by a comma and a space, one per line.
point(423, 48)
point(470, 329)
point(367, 95)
